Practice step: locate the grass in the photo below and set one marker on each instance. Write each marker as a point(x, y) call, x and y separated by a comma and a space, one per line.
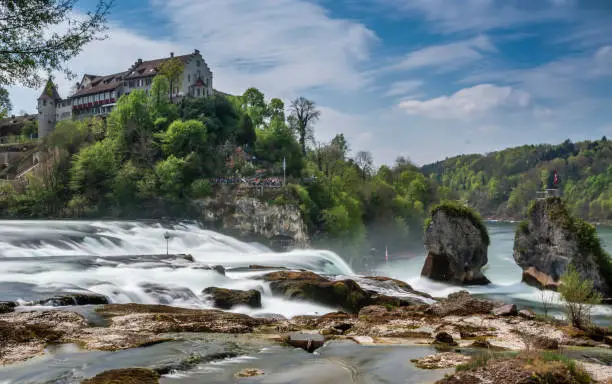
point(456, 210)
point(546, 367)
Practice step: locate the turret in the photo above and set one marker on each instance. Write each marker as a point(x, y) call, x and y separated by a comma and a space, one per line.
point(47, 109)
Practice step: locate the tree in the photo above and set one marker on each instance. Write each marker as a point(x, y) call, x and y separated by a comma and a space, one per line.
point(255, 106)
point(578, 296)
point(172, 69)
point(276, 110)
point(184, 137)
point(365, 162)
point(38, 36)
point(303, 115)
point(5, 103)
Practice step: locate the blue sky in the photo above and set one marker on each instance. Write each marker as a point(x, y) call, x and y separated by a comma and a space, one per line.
point(425, 79)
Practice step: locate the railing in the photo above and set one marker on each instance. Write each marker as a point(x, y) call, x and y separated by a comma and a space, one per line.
point(547, 193)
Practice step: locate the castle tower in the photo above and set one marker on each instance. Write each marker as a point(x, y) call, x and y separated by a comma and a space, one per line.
point(47, 109)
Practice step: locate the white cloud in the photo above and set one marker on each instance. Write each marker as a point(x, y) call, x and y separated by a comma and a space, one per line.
point(404, 87)
point(283, 47)
point(468, 103)
point(447, 56)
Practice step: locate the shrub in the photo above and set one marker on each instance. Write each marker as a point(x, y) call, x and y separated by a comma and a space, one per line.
point(200, 188)
point(578, 296)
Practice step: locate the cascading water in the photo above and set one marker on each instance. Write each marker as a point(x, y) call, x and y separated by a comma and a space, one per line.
point(42, 258)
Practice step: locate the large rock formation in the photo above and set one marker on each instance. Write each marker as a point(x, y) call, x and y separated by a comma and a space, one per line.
point(550, 239)
point(252, 217)
point(456, 242)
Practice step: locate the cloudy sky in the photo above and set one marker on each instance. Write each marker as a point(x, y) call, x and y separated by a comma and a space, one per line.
point(425, 79)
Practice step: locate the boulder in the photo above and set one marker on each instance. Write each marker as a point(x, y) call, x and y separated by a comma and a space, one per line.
point(441, 360)
point(219, 269)
point(342, 294)
point(249, 372)
point(7, 306)
point(456, 242)
point(505, 310)
point(307, 341)
point(228, 298)
point(551, 239)
point(444, 338)
point(461, 304)
point(527, 314)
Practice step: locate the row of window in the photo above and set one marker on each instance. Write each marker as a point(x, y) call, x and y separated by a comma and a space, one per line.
point(138, 83)
point(93, 98)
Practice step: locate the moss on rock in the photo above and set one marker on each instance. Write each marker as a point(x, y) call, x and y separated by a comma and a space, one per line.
point(456, 210)
point(125, 376)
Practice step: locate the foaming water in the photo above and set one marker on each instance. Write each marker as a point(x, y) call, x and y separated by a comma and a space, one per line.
point(40, 258)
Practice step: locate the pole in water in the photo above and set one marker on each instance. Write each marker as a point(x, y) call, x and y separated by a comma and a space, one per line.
point(167, 237)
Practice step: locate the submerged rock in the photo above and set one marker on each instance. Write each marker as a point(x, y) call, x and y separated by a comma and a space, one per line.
point(550, 239)
point(250, 372)
point(168, 295)
point(73, 299)
point(219, 269)
point(307, 341)
point(456, 242)
point(228, 298)
point(445, 338)
point(126, 375)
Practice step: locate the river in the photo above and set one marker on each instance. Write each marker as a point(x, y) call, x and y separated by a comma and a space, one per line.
point(39, 259)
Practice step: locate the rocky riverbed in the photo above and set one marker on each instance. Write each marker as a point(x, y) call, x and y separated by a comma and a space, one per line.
point(459, 326)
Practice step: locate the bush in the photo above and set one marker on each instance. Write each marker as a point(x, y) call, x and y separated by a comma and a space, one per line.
point(200, 188)
point(578, 296)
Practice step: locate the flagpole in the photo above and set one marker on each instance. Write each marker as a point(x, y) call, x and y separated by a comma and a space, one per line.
point(284, 172)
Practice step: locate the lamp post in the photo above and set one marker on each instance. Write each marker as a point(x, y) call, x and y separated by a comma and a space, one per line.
point(167, 237)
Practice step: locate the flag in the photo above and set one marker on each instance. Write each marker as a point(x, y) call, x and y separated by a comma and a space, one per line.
point(386, 254)
point(556, 178)
point(284, 164)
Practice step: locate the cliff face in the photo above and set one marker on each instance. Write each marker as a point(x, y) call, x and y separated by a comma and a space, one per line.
point(550, 239)
point(250, 217)
point(456, 248)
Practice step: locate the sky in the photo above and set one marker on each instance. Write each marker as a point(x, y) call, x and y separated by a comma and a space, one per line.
point(423, 79)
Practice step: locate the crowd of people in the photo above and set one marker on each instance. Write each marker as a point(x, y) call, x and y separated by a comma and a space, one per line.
point(270, 182)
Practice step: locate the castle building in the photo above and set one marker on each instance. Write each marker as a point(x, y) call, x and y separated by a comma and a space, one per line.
point(97, 95)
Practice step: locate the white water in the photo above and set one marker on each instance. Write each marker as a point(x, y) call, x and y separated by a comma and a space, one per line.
point(41, 258)
point(32, 266)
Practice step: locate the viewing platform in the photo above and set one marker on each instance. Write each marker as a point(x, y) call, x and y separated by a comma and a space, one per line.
point(547, 193)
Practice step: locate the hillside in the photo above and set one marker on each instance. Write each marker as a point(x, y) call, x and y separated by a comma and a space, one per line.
point(502, 183)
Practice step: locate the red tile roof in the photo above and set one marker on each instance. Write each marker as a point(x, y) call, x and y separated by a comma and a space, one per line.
point(101, 84)
point(149, 68)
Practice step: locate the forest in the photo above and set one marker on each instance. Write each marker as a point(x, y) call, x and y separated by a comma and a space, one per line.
point(501, 184)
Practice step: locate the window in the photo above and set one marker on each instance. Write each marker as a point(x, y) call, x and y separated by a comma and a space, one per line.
point(131, 84)
point(44, 103)
point(148, 81)
point(189, 78)
point(125, 83)
point(198, 92)
point(112, 94)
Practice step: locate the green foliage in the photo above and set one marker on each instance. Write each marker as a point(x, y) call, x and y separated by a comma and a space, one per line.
point(93, 170)
point(200, 188)
point(453, 209)
point(578, 296)
point(184, 137)
point(523, 227)
point(28, 49)
point(169, 173)
point(5, 103)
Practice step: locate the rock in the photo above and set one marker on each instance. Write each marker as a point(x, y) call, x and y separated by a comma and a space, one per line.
point(444, 338)
point(527, 314)
point(269, 316)
point(550, 239)
point(73, 299)
point(441, 360)
point(220, 269)
point(345, 294)
point(461, 304)
point(307, 341)
point(187, 258)
point(387, 282)
point(250, 372)
point(456, 242)
point(168, 295)
point(157, 319)
point(362, 339)
point(543, 342)
point(7, 306)
point(127, 376)
point(228, 298)
point(250, 216)
point(505, 310)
